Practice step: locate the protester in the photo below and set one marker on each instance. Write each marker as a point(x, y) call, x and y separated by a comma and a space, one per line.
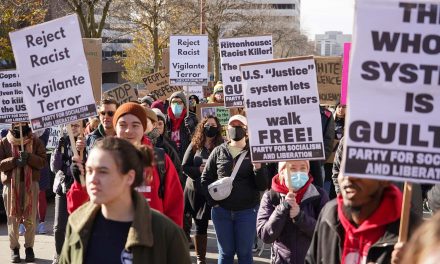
point(423, 247)
point(361, 225)
point(162, 141)
point(193, 102)
point(91, 126)
point(328, 135)
point(180, 123)
point(162, 193)
point(159, 105)
point(289, 210)
point(138, 234)
point(339, 117)
point(60, 163)
point(235, 217)
point(106, 111)
point(217, 95)
point(146, 101)
point(206, 137)
point(43, 184)
point(20, 173)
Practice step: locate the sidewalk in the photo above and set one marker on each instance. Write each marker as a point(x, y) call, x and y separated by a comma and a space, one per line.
point(44, 247)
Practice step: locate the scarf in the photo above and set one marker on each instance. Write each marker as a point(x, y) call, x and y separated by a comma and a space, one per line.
point(176, 122)
point(282, 188)
point(358, 240)
point(18, 209)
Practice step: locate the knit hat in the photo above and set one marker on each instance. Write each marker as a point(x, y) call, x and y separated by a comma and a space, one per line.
point(147, 99)
point(218, 88)
point(159, 114)
point(282, 164)
point(180, 95)
point(151, 115)
point(195, 97)
point(134, 109)
point(158, 104)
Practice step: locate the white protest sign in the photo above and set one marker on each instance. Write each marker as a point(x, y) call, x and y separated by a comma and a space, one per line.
point(393, 125)
point(53, 72)
point(236, 51)
point(194, 90)
point(12, 107)
point(188, 60)
point(54, 136)
point(282, 107)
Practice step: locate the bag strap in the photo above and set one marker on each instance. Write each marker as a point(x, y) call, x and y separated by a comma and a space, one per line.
point(238, 164)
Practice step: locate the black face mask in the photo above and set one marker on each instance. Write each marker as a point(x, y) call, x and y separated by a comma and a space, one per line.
point(236, 133)
point(210, 131)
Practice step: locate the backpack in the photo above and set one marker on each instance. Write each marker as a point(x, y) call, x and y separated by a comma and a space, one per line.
point(159, 157)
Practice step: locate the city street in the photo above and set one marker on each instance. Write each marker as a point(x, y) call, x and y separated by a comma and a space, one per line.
point(44, 244)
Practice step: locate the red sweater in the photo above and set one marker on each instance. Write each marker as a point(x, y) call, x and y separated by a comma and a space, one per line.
point(172, 205)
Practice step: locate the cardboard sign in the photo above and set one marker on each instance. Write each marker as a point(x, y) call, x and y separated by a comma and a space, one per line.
point(217, 110)
point(53, 72)
point(236, 51)
point(93, 52)
point(12, 107)
point(282, 107)
point(328, 73)
point(122, 94)
point(188, 60)
point(158, 84)
point(393, 125)
point(54, 136)
point(345, 68)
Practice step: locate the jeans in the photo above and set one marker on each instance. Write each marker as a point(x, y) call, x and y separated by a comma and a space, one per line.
point(60, 222)
point(235, 234)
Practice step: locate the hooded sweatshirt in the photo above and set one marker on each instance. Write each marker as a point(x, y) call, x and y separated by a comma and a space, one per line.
point(358, 240)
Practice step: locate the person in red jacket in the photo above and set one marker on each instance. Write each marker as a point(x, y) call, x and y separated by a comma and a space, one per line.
point(130, 122)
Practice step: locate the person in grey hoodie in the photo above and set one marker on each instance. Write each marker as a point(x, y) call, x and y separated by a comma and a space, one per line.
point(288, 212)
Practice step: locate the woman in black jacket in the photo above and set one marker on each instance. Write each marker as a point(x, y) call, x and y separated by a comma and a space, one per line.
point(235, 217)
point(206, 137)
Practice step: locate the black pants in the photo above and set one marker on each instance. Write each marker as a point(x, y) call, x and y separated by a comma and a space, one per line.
point(60, 222)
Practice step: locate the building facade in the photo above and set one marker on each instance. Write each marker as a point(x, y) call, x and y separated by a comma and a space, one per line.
point(331, 43)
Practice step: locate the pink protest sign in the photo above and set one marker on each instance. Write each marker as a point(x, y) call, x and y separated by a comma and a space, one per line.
point(344, 87)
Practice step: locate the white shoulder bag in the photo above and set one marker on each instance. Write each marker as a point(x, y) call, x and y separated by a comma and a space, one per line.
point(221, 189)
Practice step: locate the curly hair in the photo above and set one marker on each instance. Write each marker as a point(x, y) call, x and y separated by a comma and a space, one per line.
point(199, 138)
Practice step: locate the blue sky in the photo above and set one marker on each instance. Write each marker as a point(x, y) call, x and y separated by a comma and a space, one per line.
point(318, 16)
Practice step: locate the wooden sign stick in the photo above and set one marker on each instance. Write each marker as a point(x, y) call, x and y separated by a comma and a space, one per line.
point(404, 217)
point(74, 150)
point(21, 138)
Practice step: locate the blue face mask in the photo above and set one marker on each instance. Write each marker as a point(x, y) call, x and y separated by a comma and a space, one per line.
point(177, 109)
point(298, 179)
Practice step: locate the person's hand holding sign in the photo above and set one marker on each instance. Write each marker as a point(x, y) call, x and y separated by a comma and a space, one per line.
point(294, 207)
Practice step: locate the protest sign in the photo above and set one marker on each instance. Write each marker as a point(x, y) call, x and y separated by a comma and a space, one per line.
point(328, 73)
point(194, 90)
point(236, 51)
point(218, 110)
point(392, 126)
point(345, 68)
point(12, 106)
point(282, 107)
point(188, 60)
point(53, 72)
point(158, 84)
point(54, 136)
point(93, 52)
point(123, 93)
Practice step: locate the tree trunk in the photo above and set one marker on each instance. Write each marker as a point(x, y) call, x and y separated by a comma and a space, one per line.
point(156, 49)
point(215, 49)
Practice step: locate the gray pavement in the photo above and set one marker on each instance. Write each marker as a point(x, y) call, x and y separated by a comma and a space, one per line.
point(44, 247)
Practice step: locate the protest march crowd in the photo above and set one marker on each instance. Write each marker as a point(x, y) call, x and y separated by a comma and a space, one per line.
point(275, 153)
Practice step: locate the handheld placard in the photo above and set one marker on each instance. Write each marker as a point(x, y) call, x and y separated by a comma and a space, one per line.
point(74, 150)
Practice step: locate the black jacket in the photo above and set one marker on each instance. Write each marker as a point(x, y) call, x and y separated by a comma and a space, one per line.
point(247, 184)
point(92, 138)
point(328, 239)
point(187, 129)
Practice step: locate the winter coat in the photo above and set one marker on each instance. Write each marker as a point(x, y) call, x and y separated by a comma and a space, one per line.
point(290, 239)
point(152, 238)
point(247, 183)
point(171, 150)
point(328, 239)
point(186, 131)
point(37, 160)
point(61, 159)
point(92, 138)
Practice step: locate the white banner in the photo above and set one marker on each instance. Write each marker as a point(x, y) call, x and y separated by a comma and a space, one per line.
point(53, 72)
point(12, 107)
point(54, 137)
point(236, 51)
point(188, 60)
point(194, 90)
point(282, 107)
point(393, 125)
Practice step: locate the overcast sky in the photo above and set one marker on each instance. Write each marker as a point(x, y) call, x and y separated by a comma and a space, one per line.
point(318, 16)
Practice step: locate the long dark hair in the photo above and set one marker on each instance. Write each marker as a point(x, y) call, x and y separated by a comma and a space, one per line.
point(199, 138)
point(128, 157)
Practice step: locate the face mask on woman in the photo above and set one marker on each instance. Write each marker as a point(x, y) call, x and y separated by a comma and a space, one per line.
point(296, 180)
point(236, 133)
point(210, 131)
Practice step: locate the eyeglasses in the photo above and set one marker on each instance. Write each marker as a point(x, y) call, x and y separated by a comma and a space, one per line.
point(177, 102)
point(342, 106)
point(109, 113)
